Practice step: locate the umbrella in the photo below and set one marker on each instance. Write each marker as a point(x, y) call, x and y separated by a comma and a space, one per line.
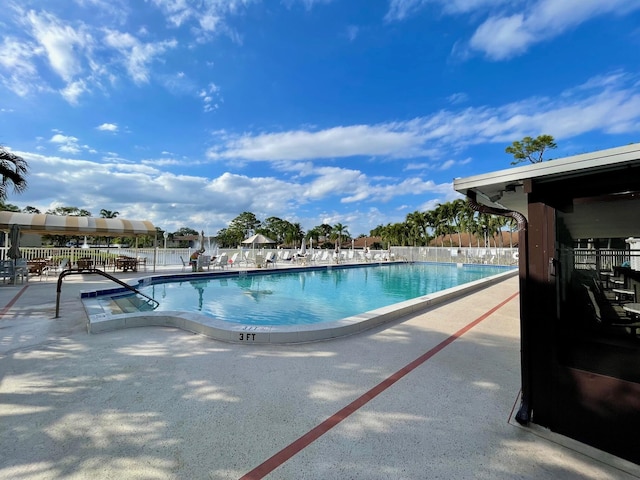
point(303, 248)
point(201, 241)
point(14, 238)
point(258, 239)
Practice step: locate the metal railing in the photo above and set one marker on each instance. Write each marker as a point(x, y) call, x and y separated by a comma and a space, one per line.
point(104, 274)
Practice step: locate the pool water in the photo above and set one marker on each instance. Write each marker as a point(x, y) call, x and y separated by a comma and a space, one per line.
point(310, 296)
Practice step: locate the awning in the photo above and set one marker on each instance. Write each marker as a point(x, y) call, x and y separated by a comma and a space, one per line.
point(66, 225)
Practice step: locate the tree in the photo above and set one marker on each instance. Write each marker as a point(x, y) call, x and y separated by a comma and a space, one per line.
point(531, 149)
point(339, 232)
point(66, 211)
point(8, 207)
point(108, 214)
point(69, 211)
point(13, 170)
point(246, 223)
point(417, 222)
point(457, 211)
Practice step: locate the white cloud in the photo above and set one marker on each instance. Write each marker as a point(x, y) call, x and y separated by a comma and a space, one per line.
point(16, 60)
point(210, 97)
point(609, 103)
point(62, 44)
point(503, 36)
point(385, 139)
point(513, 26)
point(136, 55)
point(67, 144)
point(73, 90)
point(108, 127)
point(401, 9)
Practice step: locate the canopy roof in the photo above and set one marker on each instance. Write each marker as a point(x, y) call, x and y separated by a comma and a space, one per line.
point(65, 225)
point(601, 190)
point(258, 238)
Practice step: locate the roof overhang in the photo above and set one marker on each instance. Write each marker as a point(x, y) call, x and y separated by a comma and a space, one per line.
point(71, 225)
point(612, 173)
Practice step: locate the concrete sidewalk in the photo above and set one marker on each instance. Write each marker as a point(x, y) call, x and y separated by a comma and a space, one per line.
point(430, 396)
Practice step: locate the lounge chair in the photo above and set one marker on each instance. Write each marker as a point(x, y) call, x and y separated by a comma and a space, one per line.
point(220, 261)
point(234, 259)
point(270, 260)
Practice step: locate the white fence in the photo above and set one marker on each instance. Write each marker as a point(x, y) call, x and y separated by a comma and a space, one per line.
point(176, 256)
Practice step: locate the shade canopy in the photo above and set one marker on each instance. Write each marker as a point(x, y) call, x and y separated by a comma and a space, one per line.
point(258, 239)
point(66, 225)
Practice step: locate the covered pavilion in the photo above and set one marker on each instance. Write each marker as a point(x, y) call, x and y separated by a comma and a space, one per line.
point(578, 220)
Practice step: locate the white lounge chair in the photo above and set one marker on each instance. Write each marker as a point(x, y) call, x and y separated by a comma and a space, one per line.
point(221, 261)
point(233, 262)
point(270, 260)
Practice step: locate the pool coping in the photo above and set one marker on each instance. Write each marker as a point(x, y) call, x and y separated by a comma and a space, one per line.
point(99, 321)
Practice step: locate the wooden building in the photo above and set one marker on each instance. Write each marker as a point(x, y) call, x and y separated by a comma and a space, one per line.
point(579, 221)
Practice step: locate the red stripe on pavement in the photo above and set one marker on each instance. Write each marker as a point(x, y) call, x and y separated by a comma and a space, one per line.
point(12, 302)
point(304, 441)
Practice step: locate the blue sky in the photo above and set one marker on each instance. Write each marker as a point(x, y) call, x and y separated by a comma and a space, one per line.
point(188, 113)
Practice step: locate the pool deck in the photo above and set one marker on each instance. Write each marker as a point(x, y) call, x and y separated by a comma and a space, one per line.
point(430, 395)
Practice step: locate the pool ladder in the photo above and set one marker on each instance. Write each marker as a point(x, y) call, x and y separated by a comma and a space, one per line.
point(149, 301)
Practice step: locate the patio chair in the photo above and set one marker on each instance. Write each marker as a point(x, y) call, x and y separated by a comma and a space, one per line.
point(270, 260)
point(59, 268)
point(204, 261)
point(220, 261)
point(21, 270)
point(606, 315)
point(234, 259)
point(142, 262)
point(6, 270)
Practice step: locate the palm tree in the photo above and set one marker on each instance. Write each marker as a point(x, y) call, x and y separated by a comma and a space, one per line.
point(468, 219)
point(339, 232)
point(457, 210)
point(13, 170)
point(108, 214)
point(417, 222)
point(441, 219)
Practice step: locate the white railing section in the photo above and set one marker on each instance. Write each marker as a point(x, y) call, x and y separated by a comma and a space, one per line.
point(247, 257)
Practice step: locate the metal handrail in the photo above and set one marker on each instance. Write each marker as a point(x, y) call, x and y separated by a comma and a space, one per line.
point(100, 272)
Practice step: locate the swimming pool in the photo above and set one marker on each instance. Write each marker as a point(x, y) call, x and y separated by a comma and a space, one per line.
point(310, 296)
point(291, 304)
